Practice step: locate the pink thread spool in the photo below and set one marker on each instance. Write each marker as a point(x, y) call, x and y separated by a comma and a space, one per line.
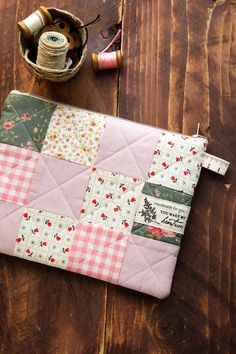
point(108, 60)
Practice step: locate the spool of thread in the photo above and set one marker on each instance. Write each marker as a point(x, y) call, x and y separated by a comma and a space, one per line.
point(107, 60)
point(52, 50)
point(69, 37)
point(35, 22)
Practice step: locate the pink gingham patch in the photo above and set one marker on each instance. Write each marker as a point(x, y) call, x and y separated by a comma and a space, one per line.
point(97, 252)
point(17, 167)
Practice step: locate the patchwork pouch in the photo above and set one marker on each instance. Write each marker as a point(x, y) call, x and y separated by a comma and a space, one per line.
point(96, 194)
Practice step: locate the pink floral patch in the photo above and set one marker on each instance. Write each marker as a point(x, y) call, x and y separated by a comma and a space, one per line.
point(157, 231)
point(8, 124)
point(74, 135)
point(25, 116)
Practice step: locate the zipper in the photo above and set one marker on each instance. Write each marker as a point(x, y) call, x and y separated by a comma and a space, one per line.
point(109, 115)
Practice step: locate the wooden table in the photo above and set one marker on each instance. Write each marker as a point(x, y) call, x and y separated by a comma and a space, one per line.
point(180, 69)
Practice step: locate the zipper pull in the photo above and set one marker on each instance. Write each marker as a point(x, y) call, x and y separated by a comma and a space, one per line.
point(197, 135)
point(211, 162)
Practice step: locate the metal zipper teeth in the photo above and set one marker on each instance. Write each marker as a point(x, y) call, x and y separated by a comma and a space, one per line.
point(109, 115)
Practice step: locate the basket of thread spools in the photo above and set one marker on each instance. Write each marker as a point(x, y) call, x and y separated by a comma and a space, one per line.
point(53, 43)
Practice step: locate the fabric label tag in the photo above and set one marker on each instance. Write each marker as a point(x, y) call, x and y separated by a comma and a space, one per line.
point(215, 164)
point(162, 213)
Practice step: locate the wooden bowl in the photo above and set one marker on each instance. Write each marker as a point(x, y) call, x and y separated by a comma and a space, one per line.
point(29, 56)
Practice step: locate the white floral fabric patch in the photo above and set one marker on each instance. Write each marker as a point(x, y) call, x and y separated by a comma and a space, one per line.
point(111, 200)
point(45, 238)
point(177, 162)
point(74, 135)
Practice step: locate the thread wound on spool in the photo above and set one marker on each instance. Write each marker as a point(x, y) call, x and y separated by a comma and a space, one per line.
point(70, 38)
point(46, 14)
point(107, 60)
point(35, 22)
point(52, 50)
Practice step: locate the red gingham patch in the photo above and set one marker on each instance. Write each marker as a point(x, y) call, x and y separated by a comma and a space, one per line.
point(97, 252)
point(17, 168)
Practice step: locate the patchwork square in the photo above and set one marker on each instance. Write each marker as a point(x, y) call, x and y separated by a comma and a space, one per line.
point(111, 200)
point(148, 266)
point(127, 147)
point(177, 161)
point(17, 168)
point(45, 238)
point(97, 252)
point(24, 120)
point(58, 192)
point(74, 135)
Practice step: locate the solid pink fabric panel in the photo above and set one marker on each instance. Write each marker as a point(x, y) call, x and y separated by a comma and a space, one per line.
point(148, 266)
point(127, 148)
point(59, 186)
point(10, 218)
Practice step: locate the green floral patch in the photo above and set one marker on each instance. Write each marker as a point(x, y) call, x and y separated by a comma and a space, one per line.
point(24, 103)
point(24, 121)
point(17, 135)
point(156, 233)
point(166, 193)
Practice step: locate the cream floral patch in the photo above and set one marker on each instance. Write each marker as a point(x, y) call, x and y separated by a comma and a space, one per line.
point(177, 162)
point(74, 135)
point(111, 200)
point(45, 238)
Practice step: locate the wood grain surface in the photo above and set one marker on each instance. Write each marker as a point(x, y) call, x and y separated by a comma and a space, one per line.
point(180, 69)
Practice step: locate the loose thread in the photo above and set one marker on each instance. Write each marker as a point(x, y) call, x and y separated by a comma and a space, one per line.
point(113, 41)
point(108, 60)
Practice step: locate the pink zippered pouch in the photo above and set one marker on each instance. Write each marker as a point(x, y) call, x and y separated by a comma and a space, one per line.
point(96, 194)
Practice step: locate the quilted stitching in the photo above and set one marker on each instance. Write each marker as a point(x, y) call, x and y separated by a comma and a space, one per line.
point(26, 128)
point(150, 276)
point(97, 252)
point(17, 130)
point(130, 150)
point(58, 187)
point(111, 200)
point(129, 146)
point(9, 226)
point(177, 162)
point(45, 238)
point(126, 155)
point(17, 168)
point(30, 101)
point(74, 135)
point(33, 199)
